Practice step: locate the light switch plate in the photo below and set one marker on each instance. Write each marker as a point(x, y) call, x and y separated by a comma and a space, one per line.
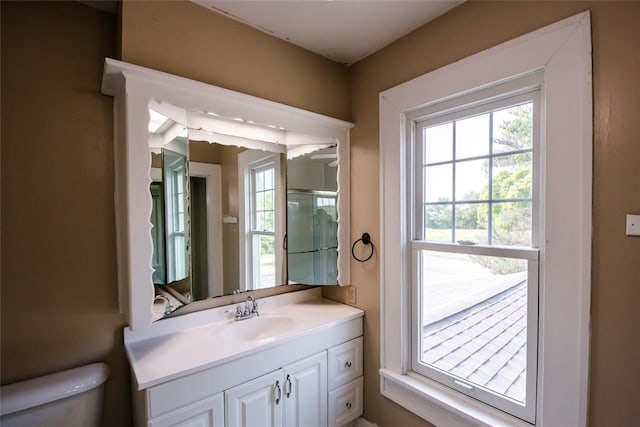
point(633, 225)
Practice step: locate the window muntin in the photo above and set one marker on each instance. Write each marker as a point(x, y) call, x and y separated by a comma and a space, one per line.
point(475, 265)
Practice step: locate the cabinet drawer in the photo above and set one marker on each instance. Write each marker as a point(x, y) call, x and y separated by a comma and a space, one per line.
point(345, 403)
point(345, 363)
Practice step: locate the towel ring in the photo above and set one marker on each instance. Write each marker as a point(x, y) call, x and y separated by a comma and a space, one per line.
point(366, 240)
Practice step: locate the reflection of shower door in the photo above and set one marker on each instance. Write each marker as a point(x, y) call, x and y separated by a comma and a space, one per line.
point(312, 239)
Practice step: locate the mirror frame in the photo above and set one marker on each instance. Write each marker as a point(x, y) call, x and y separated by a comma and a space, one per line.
point(133, 88)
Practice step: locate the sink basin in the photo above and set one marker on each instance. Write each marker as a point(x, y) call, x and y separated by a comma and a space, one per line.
point(254, 329)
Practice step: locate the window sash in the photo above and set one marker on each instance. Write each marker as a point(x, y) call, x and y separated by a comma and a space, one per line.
point(527, 411)
point(258, 277)
point(255, 192)
point(518, 92)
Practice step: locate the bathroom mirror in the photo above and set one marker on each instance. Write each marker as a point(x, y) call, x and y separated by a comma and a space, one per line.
point(196, 253)
point(265, 189)
point(252, 124)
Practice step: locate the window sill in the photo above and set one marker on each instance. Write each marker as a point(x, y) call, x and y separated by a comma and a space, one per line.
point(440, 405)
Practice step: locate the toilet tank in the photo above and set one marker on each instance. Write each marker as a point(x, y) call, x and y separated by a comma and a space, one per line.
point(67, 398)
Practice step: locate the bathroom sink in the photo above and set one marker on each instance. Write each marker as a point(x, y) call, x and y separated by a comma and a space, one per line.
point(255, 329)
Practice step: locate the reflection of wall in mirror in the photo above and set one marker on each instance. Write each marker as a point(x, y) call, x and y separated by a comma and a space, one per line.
point(156, 160)
point(308, 174)
point(227, 158)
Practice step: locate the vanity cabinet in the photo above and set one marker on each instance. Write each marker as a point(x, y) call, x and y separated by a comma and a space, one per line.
point(323, 390)
point(297, 395)
point(200, 370)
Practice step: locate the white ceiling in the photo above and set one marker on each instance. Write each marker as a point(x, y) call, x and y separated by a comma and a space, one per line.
point(344, 31)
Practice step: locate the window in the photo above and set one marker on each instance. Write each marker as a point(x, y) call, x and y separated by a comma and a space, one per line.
point(474, 222)
point(261, 224)
point(176, 185)
point(474, 245)
point(262, 234)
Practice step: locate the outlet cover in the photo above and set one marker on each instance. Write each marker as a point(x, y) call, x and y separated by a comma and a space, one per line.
point(633, 225)
point(352, 295)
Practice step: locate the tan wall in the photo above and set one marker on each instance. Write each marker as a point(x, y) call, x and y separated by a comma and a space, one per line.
point(474, 27)
point(59, 288)
point(188, 40)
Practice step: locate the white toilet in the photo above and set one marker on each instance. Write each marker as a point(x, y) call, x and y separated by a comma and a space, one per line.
point(67, 398)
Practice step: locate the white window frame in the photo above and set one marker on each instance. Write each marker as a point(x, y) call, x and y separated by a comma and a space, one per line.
point(248, 161)
point(525, 89)
point(562, 52)
point(176, 257)
point(253, 245)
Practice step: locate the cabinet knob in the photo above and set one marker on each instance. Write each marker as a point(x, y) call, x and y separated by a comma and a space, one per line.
point(347, 364)
point(348, 405)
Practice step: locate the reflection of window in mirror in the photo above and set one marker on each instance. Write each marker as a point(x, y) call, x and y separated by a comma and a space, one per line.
point(260, 191)
point(262, 226)
point(176, 219)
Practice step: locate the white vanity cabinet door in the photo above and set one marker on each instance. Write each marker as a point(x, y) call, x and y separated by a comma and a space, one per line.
point(305, 392)
point(206, 413)
point(257, 403)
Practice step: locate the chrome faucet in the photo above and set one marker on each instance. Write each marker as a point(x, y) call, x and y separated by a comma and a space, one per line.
point(250, 309)
point(167, 304)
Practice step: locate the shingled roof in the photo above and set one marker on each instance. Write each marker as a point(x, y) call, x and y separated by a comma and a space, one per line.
point(484, 344)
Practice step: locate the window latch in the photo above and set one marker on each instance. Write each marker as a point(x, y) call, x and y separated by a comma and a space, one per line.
point(465, 386)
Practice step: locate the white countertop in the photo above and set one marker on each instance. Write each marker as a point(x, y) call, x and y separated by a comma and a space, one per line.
point(174, 347)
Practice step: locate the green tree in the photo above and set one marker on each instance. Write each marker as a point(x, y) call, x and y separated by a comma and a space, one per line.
point(439, 216)
point(512, 178)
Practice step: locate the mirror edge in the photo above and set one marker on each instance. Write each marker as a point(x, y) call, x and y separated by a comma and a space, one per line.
point(344, 210)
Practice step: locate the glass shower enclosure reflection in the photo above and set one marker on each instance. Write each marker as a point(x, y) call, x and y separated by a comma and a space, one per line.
point(312, 243)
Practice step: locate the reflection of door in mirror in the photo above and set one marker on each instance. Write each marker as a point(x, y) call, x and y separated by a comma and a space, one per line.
point(312, 219)
point(157, 231)
point(206, 230)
